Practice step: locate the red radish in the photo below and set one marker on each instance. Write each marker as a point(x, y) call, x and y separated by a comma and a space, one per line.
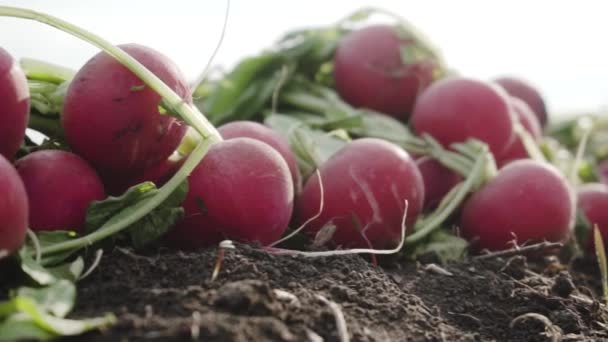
point(527, 201)
point(593, 202)
point(60, 186)
point(530, 123)
point(242, 190)
point(455, 109)
point(525, 91)
point(365, 186)
point(13, 209)
point(255, 130)
point(370, 71)
point(15, 96)
point(438, 181)
point(113, 120)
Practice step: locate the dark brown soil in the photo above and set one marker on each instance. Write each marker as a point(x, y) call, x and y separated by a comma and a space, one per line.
point(168, 295)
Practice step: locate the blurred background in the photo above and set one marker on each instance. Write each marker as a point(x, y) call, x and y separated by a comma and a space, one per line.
point(559, 46)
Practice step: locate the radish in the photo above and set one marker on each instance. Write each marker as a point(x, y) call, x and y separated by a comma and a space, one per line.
point(15, 96)
point(365, 186)
point(593, 201)
point(455, 109)
point(530, 123)
point(523, 90)
point(242, 190)
point(255, 130)
point(438, 181)
point(13, 209)
point(372, 70)
point(114, 121)
point(527, 201)
point(60, 186)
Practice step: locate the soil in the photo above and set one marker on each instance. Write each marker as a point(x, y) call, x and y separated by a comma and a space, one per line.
point(168, 295)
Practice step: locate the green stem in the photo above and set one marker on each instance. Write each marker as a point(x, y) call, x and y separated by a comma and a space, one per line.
point(427, 226)
point(189, 114)
point(47, 72)
point(142, 208)
point(193, 117)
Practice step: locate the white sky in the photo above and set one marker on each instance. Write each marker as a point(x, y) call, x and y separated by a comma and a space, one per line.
point(560, 46)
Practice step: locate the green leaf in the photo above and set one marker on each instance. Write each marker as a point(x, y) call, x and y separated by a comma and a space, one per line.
point(70, 271)
point(446, 246)
point(153, 226)
point(22, 327)
point(46, 276)
point(230, 89)
point(150, 227)
point(31, 321)
point(99, 212)
point(311, 147)
point(378, 125)
point(33, 269)
point(46, 239)
point(57, 299)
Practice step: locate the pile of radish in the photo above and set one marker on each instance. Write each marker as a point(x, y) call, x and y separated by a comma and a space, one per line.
point(401, 114)
point(339, 134)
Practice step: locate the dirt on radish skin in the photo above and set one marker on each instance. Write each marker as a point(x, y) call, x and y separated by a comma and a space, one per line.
point(15, 109)
point(14, 209)
point(365, 185)
point(242, 190)
point(370, 71)
point(114, 121)
point(60, 186)
point(527, 201)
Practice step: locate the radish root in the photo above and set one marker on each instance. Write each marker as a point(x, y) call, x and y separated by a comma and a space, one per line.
point(339, 316)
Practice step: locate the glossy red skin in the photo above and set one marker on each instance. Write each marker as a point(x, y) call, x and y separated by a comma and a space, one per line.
point(529, 121)
point(455, 109)
point(247, 192)
point(593, 201)
point(369, 72)
point(257, 131)
point(13, 209)
point(368, 179)
point(527, 198)
point(60, 186)
point(438, 181)
point(524, 90)
point(15, 109)
point(116, 127)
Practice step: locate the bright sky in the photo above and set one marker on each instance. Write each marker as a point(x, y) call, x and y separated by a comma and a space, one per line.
point(560, 46)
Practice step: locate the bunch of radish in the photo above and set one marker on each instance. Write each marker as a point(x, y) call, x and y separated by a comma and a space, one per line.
point(383, 136)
